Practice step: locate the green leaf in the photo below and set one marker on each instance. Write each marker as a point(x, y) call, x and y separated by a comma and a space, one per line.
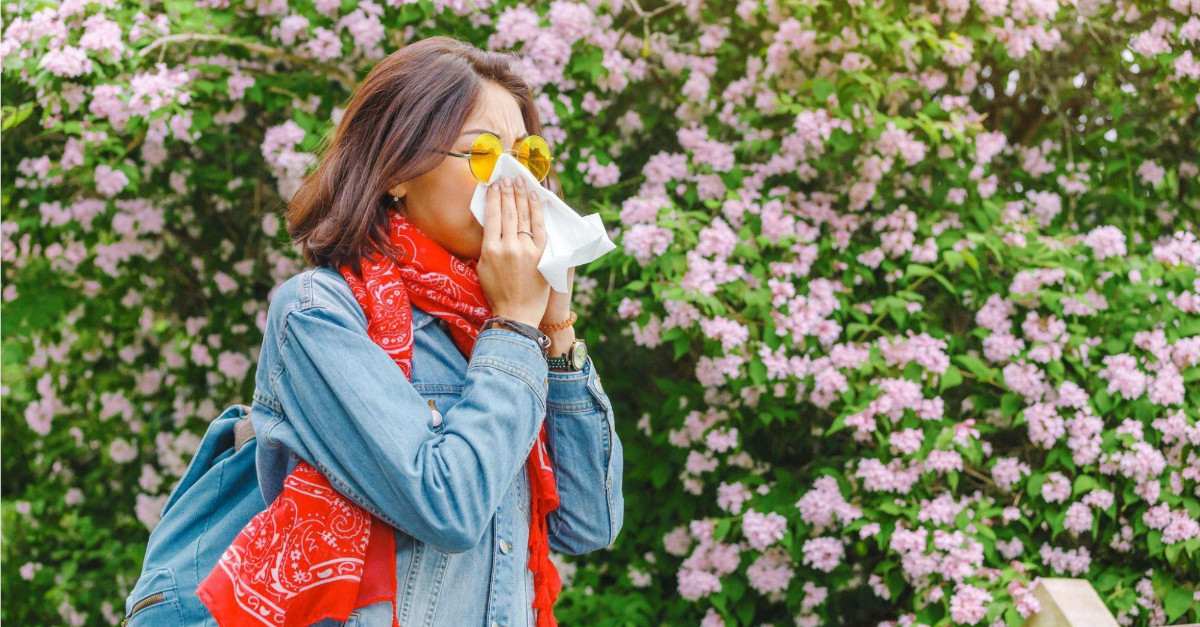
point(1178, 601)
point(822, 89)
point(758, 372)
point(1010, 404)
point(681, 345)
point(975, 366)
point(838, 424)
point(745, 610)
point(13, 116)
point(917, 270)
point(1154, 545)
point(1034, 486)
point(951, 378)
point(722, 528)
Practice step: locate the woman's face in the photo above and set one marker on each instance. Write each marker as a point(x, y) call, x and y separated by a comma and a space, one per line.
point(439, 201)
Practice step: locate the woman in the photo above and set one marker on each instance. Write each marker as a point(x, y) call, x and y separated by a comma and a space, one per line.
point(384, 376)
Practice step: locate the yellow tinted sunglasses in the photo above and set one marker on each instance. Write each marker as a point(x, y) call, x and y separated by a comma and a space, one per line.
point(532, 152)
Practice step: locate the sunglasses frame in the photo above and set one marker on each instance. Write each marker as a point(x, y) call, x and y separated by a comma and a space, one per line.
point(515, 150)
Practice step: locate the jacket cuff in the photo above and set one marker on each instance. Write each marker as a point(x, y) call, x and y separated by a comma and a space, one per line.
point(513, 353)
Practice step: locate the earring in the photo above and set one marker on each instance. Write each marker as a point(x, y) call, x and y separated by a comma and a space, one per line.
point(395, 199)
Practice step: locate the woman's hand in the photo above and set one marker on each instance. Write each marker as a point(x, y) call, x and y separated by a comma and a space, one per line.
point(508, 263)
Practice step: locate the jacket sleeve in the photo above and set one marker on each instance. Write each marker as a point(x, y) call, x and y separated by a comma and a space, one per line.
point(363, 425)
point(588, 458)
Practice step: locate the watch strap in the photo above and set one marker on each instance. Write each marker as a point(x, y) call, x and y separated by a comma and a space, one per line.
point(565, 363)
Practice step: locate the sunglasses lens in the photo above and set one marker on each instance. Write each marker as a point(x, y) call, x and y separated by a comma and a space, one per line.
point(534, 154)
point(485, 151)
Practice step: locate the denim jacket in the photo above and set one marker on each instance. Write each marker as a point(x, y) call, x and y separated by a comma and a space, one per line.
point(456, 491)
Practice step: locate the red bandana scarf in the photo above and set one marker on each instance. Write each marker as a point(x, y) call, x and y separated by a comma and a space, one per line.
point(313, 554)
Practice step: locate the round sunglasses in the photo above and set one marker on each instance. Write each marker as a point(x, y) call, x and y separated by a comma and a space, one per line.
point(532, 152)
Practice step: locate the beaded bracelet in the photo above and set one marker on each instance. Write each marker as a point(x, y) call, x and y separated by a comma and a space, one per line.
point(548, 328)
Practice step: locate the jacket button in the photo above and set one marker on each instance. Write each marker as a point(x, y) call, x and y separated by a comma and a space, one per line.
point(505, 547)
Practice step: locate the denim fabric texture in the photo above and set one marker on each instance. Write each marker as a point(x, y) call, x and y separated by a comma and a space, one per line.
point(456, 492)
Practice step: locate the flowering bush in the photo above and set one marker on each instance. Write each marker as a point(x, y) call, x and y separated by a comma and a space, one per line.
point(916, 286)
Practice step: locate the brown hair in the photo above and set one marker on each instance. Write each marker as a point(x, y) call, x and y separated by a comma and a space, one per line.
point(415, 99)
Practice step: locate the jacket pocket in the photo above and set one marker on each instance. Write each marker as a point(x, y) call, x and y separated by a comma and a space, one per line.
point(155, 601)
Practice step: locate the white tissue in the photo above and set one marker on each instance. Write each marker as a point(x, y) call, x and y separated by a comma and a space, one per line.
point(571, 239)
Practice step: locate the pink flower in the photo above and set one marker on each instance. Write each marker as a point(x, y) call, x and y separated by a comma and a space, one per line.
point(1056, 488)
point(762, 530)
point(1045, 425)
point(907, 441)
point(1076, 561)
point(109, 182)
point(67, 61)
point(771, 572)
point(722, 439)
point(1007, 472)
point(1079, 518)
point(645, 242)
point(712, 619)
point(823, 553)
point(678, 541)
point(694, 584)
point(629, 308)
point(1151, 173)
point(730, 497)
point(824, 503)
point(944, 461)
point(290, 28)
point(969, 604)
point(324, 45)
point(1105, 242)
point(729, 333)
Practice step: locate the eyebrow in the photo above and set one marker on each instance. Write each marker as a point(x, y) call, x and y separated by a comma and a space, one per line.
point(484, 130)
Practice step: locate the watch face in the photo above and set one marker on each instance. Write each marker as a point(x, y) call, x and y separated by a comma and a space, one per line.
point(579, 355)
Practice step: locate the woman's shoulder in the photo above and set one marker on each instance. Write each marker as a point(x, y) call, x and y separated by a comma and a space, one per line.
point(313, 287)
point(322, 287)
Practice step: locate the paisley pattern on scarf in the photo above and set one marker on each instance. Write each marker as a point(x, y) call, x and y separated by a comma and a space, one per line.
point(312, 554)
point(285, 551)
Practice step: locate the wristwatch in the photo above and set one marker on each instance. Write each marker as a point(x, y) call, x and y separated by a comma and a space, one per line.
point(573, 361)
point(528, 330)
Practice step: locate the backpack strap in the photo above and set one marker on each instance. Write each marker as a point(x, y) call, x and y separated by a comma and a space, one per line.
point(243, 431)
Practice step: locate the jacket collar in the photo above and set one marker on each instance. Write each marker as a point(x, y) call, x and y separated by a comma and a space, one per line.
point(420, 318)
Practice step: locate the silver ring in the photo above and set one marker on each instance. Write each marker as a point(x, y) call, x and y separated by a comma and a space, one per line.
point(524, 231)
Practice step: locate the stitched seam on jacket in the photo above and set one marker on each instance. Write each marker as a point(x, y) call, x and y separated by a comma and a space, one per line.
point(438, 579)
point(266, 400)
point(354, 496)
point(414, 566)
point(522, 374)
point(571, 407)
point(608, 433)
